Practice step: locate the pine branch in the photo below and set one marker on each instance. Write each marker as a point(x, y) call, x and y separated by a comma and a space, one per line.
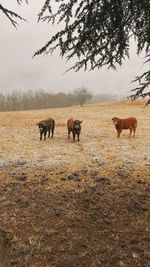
point(96, 33)
point(11, 15)
point(20, 1)
point(45, 7)
point(144, 82)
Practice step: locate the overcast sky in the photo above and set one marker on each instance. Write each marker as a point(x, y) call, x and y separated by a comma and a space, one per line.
point(18, 71)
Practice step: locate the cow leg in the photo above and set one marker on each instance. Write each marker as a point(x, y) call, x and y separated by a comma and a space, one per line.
point(68, 134)
point(73, 136)
point(78, 138)
point(134, 129)
point(48, 133)
point(130, 132)
point(40, 136)
point(44, 135)
point(119, 132)
point(52, 133)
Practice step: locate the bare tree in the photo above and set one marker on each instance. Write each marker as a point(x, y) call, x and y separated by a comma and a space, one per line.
point(83, 95)
point(97, 33)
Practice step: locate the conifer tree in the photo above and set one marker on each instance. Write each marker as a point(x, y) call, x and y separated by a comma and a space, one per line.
point(97, 33)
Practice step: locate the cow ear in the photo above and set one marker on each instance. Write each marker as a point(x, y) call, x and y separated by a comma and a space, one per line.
point(80, 121)
point(37, 124)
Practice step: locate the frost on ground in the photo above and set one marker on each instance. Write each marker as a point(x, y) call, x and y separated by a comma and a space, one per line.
point(66, 203)
point(20, 143)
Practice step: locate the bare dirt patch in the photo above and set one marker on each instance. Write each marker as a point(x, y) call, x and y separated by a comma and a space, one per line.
point(76, 204)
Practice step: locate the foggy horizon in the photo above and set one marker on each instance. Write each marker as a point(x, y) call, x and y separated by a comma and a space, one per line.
point(20, 72)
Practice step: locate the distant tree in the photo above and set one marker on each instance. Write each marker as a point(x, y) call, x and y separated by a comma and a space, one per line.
point(97, 33)
point(83, 95)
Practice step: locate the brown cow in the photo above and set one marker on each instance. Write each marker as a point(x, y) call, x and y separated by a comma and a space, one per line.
point(128, 123)
point(46, 126)
point(74, 126)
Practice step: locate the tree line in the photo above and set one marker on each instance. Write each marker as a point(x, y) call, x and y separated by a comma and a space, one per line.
point(41, 99)
point(35, 100)
point(96, 33)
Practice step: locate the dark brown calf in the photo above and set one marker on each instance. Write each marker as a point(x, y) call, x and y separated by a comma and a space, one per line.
point(74, 126)
point(128, 123)
point(46, 126)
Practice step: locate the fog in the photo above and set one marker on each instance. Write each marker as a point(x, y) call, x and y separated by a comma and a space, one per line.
point(19, 71)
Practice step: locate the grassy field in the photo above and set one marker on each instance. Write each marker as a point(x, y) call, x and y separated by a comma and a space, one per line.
point(65, 203)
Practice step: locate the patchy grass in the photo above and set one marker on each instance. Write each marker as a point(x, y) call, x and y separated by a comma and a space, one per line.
point(65, 204)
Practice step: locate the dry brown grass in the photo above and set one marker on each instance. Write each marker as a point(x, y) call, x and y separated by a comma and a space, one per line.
point(19, 138)
point(77, 204)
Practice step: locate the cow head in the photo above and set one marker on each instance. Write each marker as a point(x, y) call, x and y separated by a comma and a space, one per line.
point(41, 126)
point(77, 126)
point(115, 120)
